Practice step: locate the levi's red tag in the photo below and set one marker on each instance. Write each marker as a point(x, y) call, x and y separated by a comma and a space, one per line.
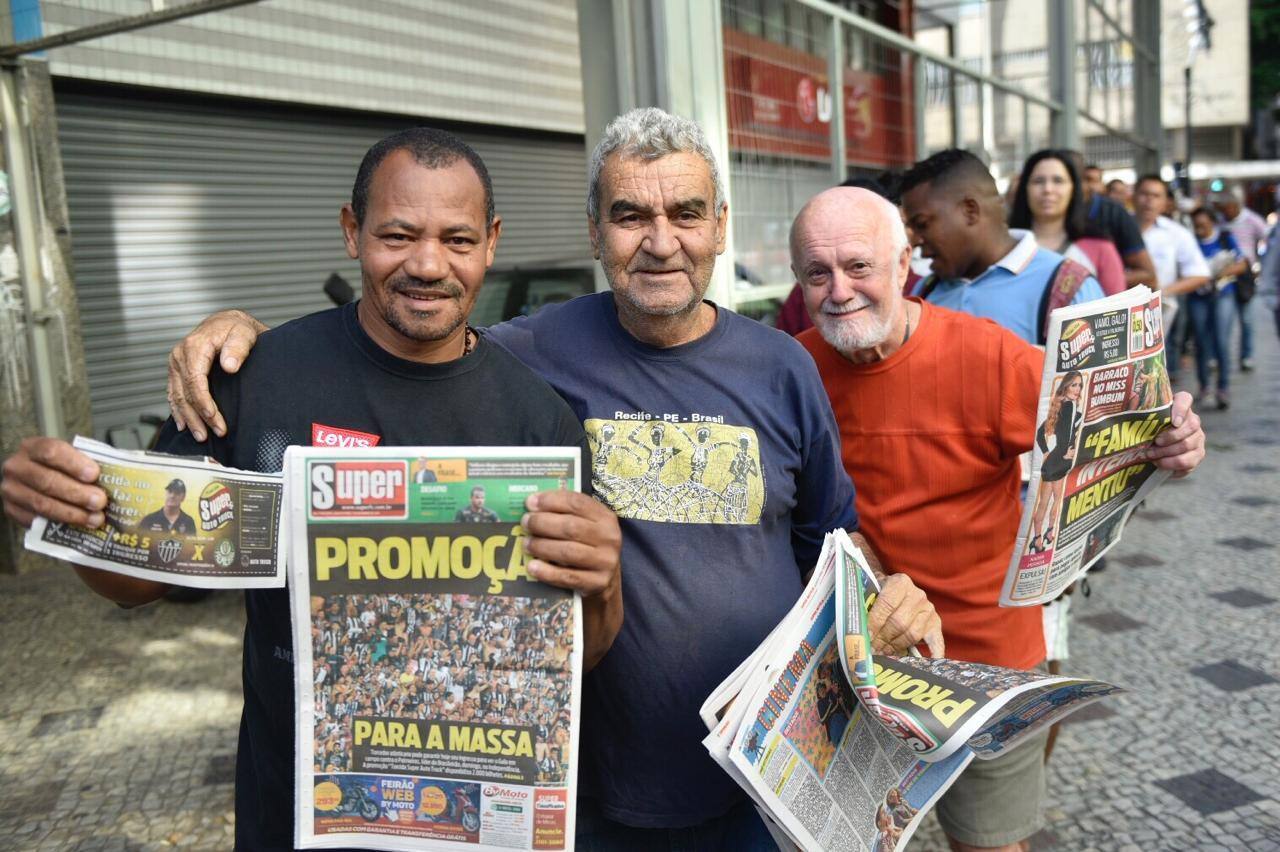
point(332, 436)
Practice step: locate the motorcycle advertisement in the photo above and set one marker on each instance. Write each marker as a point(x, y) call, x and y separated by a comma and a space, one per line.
point(177, 520)
point(438, 685)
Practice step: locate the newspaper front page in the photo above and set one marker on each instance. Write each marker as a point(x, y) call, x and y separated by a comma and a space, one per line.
point(1104, 396)
point(823, 768)
point(939, 707)
point(177, 520)
point(438, 686)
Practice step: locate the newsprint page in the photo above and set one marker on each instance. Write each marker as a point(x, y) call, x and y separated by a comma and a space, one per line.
point(438, 686)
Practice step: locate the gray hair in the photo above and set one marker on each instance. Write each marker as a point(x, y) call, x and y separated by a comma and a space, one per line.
point(649, 133)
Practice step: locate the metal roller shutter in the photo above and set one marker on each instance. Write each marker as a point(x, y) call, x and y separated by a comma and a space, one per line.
point(179, 209)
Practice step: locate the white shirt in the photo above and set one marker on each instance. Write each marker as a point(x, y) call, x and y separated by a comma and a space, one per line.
point(1249, 229)
point(1174, 251)
point(1175, 254)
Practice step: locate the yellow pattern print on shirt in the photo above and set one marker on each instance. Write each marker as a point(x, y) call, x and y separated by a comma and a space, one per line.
point(692, 473)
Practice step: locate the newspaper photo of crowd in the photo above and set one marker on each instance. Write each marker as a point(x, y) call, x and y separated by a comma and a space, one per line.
point(449, 657)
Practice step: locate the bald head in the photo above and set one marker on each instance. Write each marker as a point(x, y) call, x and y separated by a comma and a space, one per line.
point(859, 209)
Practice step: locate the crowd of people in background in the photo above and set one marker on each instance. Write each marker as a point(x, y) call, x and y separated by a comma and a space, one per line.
point(448, 657)
point(1206, 252)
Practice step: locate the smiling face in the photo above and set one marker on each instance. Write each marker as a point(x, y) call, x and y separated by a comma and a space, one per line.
point(843, 256)
point(657, 234)
point(423, 250)
point(1049, 189)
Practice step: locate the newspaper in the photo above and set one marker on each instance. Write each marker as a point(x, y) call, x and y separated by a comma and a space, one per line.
point(1104, 396)
point(438, 686)
point(818, 741)
point(826, 774)
point(939, 706)
point(175, 519)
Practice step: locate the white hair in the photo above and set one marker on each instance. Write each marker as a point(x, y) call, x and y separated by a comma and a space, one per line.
point(649, 133)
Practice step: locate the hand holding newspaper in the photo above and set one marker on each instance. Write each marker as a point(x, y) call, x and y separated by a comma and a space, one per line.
point(177, 520)
point(841, 751)
point(1104, 396)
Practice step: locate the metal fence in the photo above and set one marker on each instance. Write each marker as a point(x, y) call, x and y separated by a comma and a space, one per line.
point(819, 91)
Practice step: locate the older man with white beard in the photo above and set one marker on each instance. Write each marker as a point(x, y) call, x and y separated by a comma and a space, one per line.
point(934, 406)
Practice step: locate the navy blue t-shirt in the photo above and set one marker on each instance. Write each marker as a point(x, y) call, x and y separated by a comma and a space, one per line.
point(722, 459)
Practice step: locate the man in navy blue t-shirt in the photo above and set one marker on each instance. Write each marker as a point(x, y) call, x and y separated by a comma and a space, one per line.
point(714, 442)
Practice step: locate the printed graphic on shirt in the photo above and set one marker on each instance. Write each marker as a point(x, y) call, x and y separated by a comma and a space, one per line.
point(695, 472)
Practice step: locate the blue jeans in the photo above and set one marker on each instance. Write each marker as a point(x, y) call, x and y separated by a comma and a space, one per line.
point(1246, 329)
point(1213, 317)
point(738, 830)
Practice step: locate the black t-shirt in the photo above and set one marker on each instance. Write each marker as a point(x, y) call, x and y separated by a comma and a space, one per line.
point(321, 380)
point(1112, 222)
point(184, 524)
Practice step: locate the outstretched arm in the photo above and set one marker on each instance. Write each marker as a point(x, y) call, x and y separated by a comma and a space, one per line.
point(48, 477)
point(228, 334)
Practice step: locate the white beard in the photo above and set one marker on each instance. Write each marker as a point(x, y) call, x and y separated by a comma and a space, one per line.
point(869, 330)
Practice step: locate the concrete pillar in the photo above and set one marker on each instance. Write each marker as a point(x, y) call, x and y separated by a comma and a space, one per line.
point(1063, 127)
point(663, 53)
point(43, 386)
point(1147, 94)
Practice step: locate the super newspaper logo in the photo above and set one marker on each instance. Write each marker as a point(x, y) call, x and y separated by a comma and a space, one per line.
point(359, 489)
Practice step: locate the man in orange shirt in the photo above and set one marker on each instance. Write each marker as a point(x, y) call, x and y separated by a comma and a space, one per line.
point(934, 407)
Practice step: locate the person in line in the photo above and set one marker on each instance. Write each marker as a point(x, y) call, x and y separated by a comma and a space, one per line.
point(1180, 267)
point(1119, 192)
point(934, 408)
point(1213, 306)
point(1113, 221)
point(1250, 233)
point(713, 565)
point(400, 366)
point(1050, 203)
point(953, 208)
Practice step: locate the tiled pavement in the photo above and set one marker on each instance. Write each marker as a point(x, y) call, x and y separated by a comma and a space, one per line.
point(117, 729)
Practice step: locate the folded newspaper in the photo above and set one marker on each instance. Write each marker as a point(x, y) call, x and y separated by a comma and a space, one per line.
point(1104, 396)
point(175, 519)
point(438, 686)
point(843, 751)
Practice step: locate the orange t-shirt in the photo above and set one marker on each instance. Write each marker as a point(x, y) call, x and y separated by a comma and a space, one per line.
point(931, 437)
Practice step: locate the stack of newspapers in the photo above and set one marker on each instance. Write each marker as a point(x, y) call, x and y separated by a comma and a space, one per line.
point(840, 751)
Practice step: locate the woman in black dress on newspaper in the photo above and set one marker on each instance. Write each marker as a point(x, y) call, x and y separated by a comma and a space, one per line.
point(1063, 423)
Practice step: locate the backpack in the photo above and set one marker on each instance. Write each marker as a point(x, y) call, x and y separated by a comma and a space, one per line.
point(1060, 290)
point(1246, 285)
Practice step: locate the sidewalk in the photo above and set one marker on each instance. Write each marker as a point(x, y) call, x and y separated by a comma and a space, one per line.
point(118, 728)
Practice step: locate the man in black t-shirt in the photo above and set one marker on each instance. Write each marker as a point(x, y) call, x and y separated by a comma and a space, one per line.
point(170, 517)
point(398, 368)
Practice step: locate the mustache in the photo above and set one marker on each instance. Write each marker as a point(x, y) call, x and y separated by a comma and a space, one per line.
point(848, 306)
point(406, 283)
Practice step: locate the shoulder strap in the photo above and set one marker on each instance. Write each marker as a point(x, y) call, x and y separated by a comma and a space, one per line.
point(927, 286)
point(1063, 285)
